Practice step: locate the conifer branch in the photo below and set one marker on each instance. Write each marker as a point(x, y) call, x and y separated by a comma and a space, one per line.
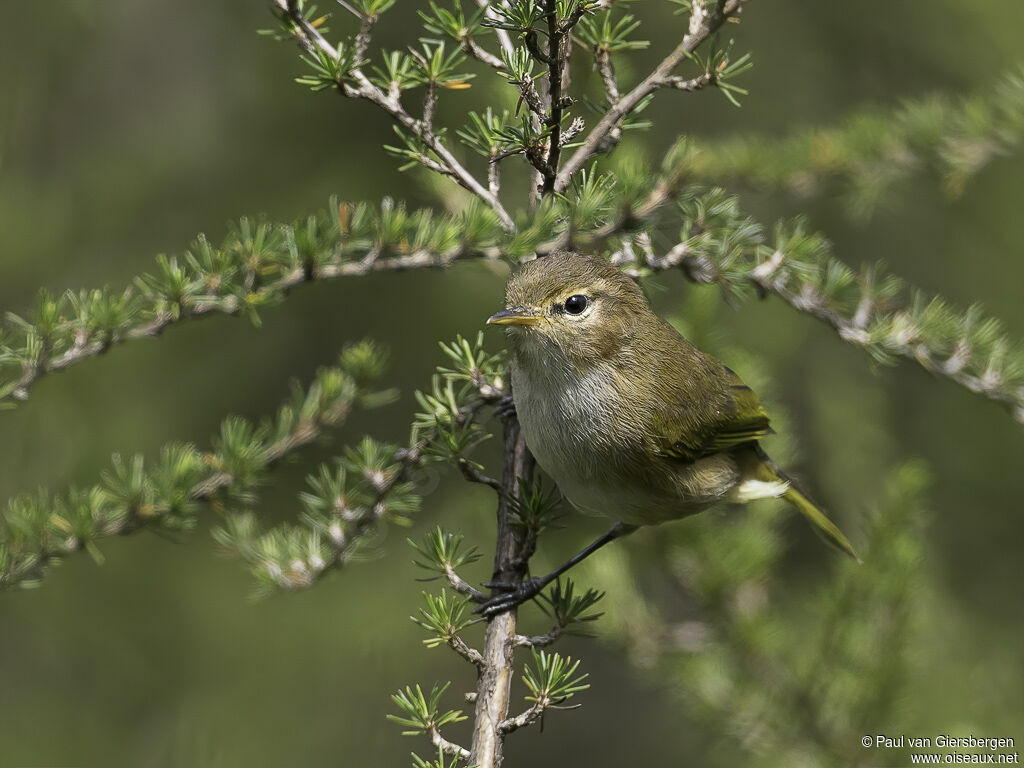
point(37, 531)
point(703, 23)
point(372, 484)
point(872, 310)
point(350, 80)
point(717, 245)
point(872, 150)
point(512, 552)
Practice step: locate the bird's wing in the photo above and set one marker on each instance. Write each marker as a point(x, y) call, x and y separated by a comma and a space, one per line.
point(718, 414)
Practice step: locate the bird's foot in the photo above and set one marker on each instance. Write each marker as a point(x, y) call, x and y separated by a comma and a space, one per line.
point(513, 595)
point(506, 408)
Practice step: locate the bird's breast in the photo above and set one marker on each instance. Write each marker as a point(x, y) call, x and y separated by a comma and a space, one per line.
point(576, 426)
point(590, 438)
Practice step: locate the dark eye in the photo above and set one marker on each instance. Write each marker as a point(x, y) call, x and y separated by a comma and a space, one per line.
point(576, 304)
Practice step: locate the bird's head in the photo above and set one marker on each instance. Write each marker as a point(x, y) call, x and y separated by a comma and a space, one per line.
point(578, 307)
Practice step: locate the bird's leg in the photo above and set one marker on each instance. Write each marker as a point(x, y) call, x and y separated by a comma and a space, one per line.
point(506, 408)
point(516, 594)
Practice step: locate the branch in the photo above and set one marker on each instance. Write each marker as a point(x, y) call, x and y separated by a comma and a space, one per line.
point(463, 587)
point(363, 88)
point(344, 241)
point(874, 149)
point(291, 558)
point(472, 655)
point(540, 641)
point(37, 531)
point(606, 68)
point(512, 552)
point(873, 311)
point(530, 716)
point(557, 59)
point(475, 475)
point(691, 84)
point(369, 484)
point(448, 747)
point(502, 35)
point(702, 24)
point(356, 241)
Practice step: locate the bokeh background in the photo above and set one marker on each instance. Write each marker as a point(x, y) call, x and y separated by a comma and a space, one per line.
point(128, 127)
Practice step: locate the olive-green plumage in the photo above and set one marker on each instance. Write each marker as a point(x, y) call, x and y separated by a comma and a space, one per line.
point(629, 418)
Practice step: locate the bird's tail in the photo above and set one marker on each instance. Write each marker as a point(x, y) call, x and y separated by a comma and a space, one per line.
point(829, 531)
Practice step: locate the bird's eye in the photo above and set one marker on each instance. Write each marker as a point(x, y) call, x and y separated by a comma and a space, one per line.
point(574, 305)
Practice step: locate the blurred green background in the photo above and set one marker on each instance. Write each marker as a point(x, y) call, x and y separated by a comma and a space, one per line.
point(128, 127)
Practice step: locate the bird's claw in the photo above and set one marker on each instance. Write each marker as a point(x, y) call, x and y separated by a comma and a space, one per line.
point(506, 408)
point(513, 595)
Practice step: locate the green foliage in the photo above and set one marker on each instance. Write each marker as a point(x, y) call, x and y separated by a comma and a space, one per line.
point(344, 504)
point(485, 133)
point(257, 265)
point(735, 655)
point(440, 762)
point(603, 32)
point(873, 150)
point(722, 68)
point(446, 420)
point(787, 660)
point(39, 530)
point(566, 608)
point(552, 680)
point(438, 67)
point(441, 551)
point(536, 507)
point(519, 16)
point(444, 618)
point(872, 309)
point(398, 73)
point(422, 712)
point(451, 23)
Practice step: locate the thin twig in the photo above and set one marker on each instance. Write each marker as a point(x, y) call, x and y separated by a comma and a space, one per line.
point(476, 475)
point(389, 102)
point(540, 641)
point(606, 68)
point(448, 747)
point(530, 716)
point(472, 655)
point(702, 24)
point(504, 40)
point(463, 587)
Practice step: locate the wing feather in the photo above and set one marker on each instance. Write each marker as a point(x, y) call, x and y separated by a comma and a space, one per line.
point(714, 413)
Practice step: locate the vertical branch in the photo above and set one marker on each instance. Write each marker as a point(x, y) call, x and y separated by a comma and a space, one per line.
point(555, 64)
point(511, 556)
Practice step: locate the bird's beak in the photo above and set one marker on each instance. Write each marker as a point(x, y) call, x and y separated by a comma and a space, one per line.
point(515, 316)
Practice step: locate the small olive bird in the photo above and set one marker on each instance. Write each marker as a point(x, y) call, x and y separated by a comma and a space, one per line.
point(629, 418)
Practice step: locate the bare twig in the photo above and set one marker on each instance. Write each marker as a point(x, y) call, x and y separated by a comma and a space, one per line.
point(448, 747)
point(690, 84)
point(530, 716)
point(702, 24)
point(540, 641)
point(502, 35)
point(472, 655)
point(462, 587)
point(482, 55)
point(475, 475)
point(606, 68)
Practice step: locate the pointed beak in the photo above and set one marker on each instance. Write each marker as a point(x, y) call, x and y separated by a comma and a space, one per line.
point(515, 316)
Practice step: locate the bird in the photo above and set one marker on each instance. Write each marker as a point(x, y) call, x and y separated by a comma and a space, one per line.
point(630, 419)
